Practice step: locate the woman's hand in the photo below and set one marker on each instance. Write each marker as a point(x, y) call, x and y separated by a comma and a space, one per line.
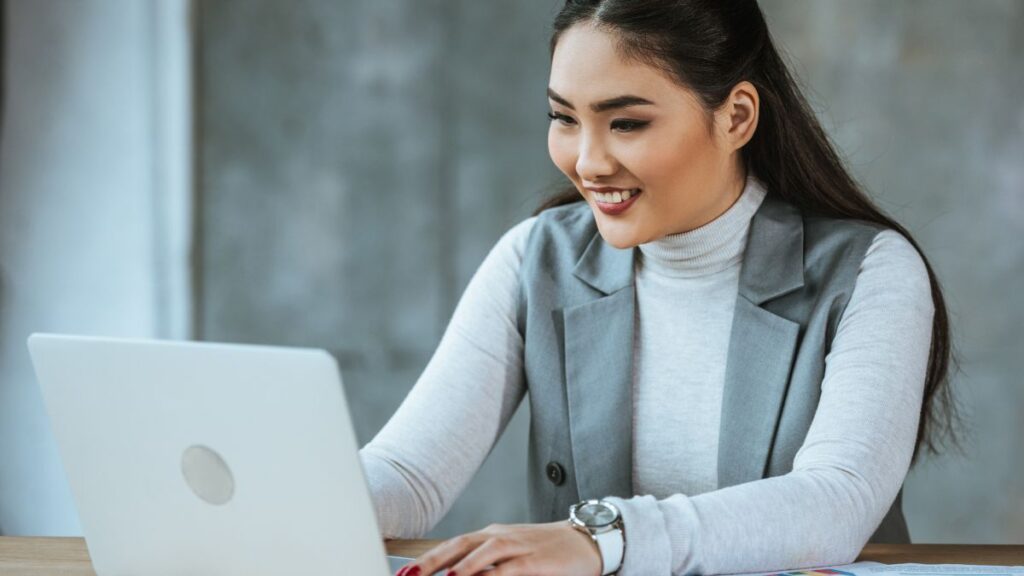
point(554, 549)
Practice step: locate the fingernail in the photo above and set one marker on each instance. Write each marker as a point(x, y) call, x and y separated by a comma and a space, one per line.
point(450, 573)
point(413, 571)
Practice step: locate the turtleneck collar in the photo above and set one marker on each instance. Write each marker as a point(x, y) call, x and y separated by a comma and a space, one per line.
point(711, 248)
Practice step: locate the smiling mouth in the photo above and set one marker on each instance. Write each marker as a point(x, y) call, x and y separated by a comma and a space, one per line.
point(615, 197)
point(616, 203)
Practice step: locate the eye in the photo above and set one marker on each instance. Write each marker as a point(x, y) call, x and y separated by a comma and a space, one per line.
point(567, 121)
point(629, 125)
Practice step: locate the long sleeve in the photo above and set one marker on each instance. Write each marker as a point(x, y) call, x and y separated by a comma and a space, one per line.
point(428, 451)
point(853, 460)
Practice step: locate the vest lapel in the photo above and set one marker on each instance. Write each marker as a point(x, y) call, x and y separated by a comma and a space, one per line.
point(599, 370)
point(599, 357)
point(761, 345)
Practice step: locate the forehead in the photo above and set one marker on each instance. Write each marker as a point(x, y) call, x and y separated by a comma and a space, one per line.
point(586, 66)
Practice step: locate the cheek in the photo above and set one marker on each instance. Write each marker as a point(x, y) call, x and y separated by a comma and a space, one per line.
point(667, 161)
point(562, 152)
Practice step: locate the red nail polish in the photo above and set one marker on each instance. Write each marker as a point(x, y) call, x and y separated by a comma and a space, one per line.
point(413, 571)
point(450, 573)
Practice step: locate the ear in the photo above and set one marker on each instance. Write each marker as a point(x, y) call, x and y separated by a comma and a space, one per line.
point(736, 118)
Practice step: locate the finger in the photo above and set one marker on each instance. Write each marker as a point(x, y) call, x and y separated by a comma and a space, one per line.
point(445, 554)
point(518, 566)
point(493, 551)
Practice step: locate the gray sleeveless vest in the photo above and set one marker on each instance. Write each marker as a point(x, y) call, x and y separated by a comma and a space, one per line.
point(576, 315)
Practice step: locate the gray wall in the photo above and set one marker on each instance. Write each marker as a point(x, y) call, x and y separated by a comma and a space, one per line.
point(358, 159)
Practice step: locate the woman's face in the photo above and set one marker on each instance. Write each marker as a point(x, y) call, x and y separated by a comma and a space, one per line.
point(626, 126)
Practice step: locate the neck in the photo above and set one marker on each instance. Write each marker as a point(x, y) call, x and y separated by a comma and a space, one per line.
point(713, 247)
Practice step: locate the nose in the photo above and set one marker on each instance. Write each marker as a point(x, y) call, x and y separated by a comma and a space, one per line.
point(594, 160)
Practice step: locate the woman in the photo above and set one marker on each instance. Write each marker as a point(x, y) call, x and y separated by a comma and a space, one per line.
point(727, 347)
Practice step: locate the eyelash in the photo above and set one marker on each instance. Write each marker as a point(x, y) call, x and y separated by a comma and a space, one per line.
point(626, 125)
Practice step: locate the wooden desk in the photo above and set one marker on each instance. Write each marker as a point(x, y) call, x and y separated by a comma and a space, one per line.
point(68, 556)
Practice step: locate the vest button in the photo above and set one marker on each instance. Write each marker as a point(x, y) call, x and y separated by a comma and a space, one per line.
point(555, 473)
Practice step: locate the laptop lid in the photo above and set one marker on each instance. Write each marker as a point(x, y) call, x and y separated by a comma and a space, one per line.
point(189, 458)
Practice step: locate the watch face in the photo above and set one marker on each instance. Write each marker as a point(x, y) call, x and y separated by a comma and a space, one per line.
point(596, 515)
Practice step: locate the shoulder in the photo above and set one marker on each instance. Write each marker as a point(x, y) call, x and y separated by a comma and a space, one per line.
point(565, 229)
point(507, 253)
point(841, 253)
point(573, 222)
point(893, 270)
point(847, 236)
point(834, 248)
point(874, 247)
point(560, 234)
point(890, 249)
point(570, 220)
point(890, 313)
point(512, 244)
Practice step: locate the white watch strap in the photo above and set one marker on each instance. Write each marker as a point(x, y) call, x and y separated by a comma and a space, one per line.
point(611, 545)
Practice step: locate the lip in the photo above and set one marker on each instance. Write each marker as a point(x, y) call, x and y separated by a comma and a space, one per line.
point(605, 189)
point(616, 209)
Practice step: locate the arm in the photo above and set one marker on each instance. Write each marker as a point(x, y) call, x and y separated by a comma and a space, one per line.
point(426, 454)
point(851, 464)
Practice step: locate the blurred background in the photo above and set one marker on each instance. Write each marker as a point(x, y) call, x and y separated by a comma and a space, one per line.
point(331, 173)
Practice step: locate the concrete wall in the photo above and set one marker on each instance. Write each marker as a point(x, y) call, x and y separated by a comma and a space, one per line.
point(94, 203)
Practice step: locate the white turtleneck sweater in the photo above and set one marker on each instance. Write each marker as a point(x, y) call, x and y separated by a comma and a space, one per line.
point(845, 476)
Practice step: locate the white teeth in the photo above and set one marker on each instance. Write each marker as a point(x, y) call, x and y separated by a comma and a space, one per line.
point(615, 197)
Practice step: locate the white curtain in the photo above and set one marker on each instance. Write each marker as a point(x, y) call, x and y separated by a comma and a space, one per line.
point(95, 208)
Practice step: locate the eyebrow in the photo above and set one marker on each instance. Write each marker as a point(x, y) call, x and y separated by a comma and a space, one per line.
point(604, 105)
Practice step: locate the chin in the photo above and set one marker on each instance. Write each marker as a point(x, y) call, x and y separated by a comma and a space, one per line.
point(619, 236)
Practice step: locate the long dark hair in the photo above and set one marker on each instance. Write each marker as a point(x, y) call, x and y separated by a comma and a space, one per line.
point(709, 46)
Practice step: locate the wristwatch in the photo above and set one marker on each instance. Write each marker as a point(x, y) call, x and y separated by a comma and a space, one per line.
point(603, 523)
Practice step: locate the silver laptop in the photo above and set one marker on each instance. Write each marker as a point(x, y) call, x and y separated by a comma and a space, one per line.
point(199, 459)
